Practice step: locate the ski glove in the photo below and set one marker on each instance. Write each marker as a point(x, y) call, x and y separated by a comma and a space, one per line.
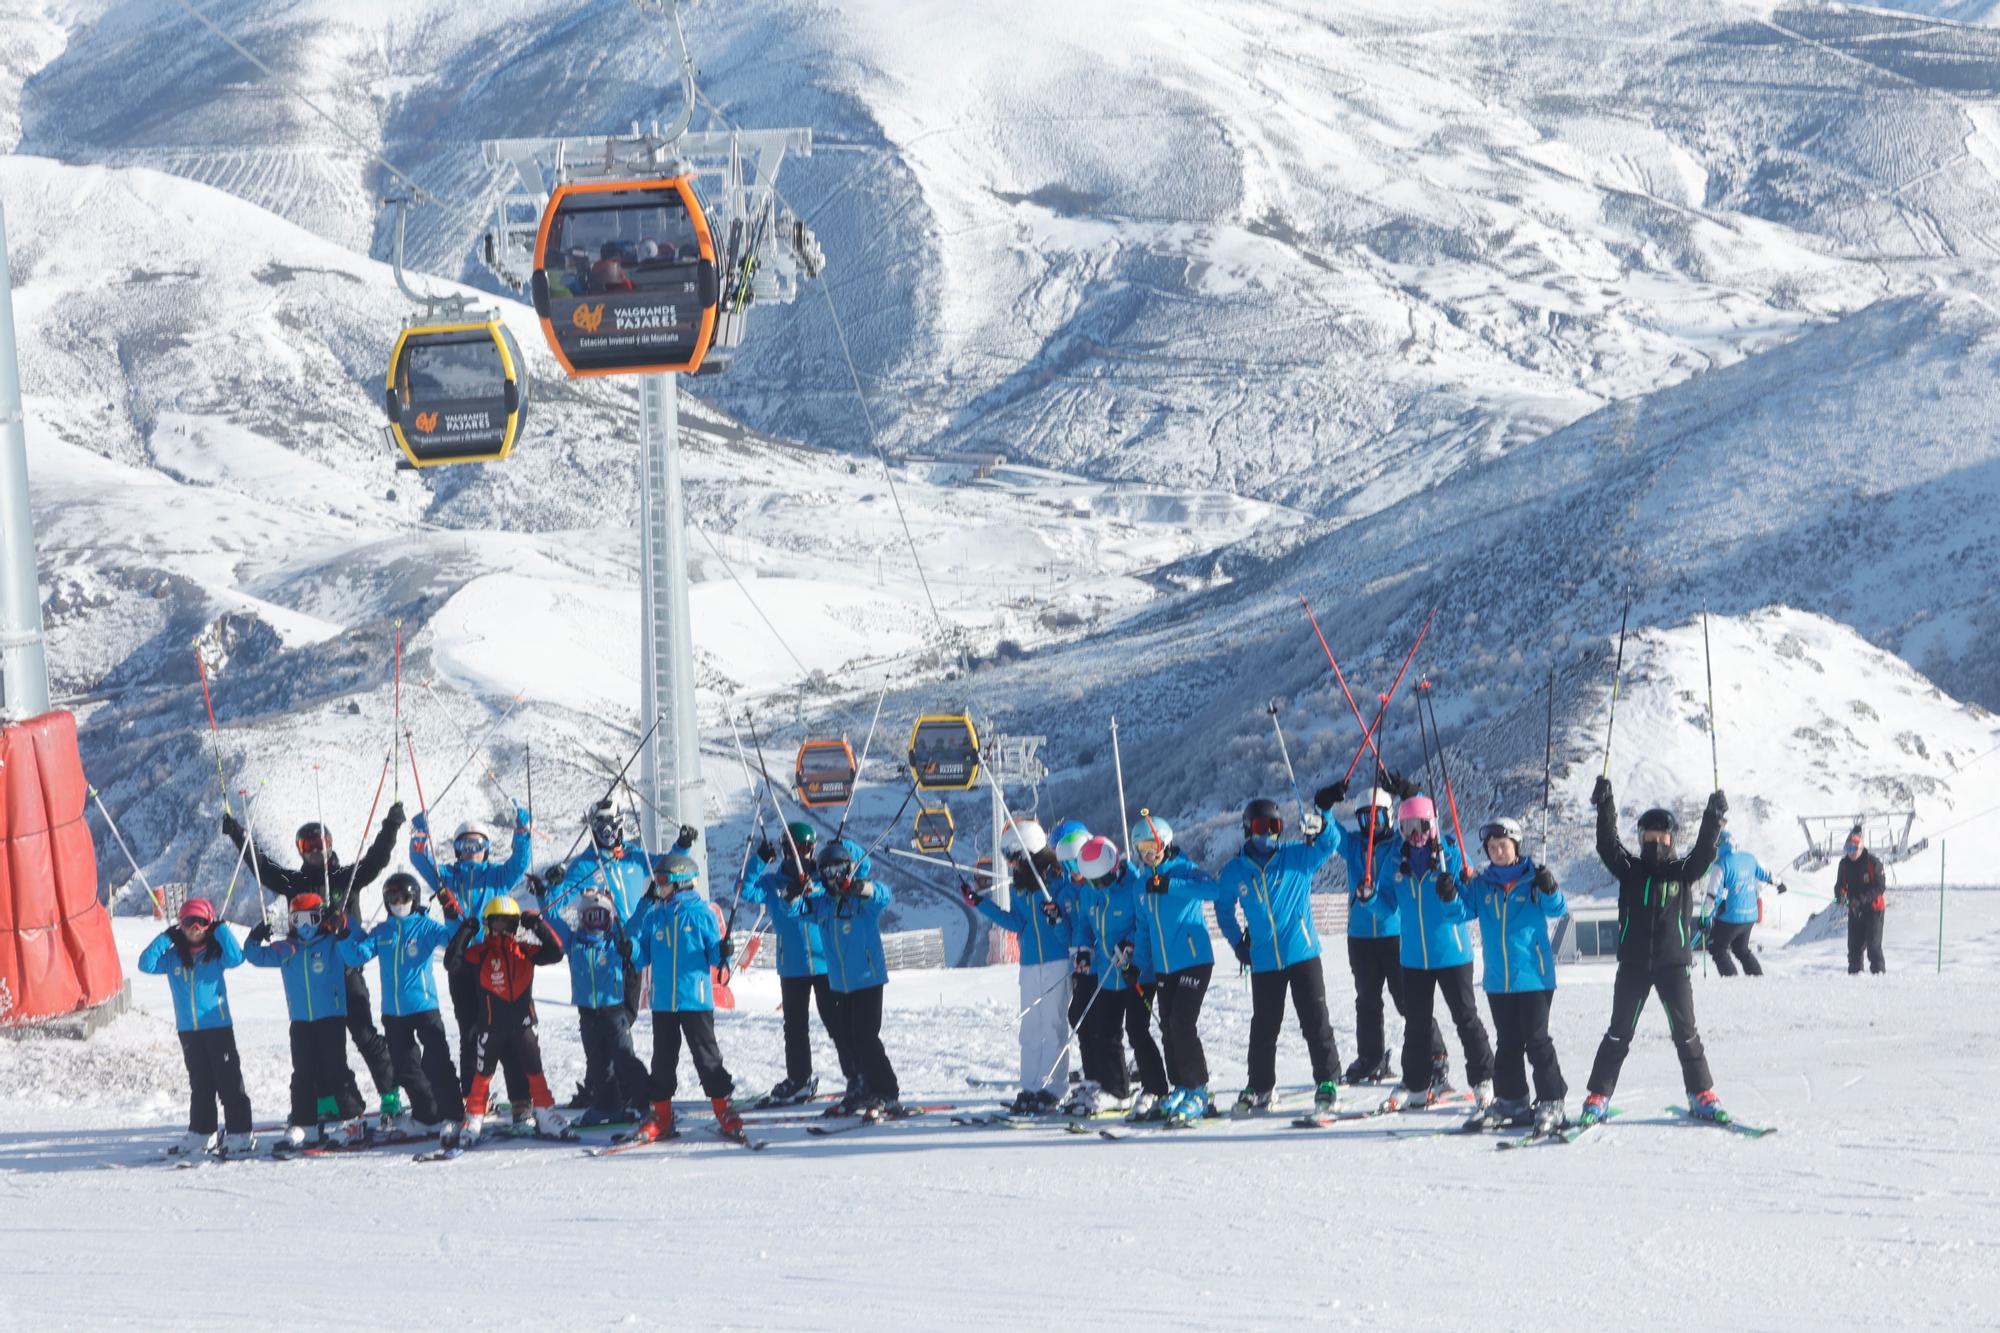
point(1080, 960)
point(1718, 804)
point(1880, 902)
point(335, 923)
point(395, 818)
point(1242, 951)
point(970, 894)
point(1545, 880)
point(1600, 792)
point(1328, 797)
point(1783, 889)
point(689, 833)
point(1050, 912)
point(259, 933)
point(1447, 884)
point(230, 828)
point(1312, 825)
point(449, 902)
point(1396, 785)
point(765, 851)
point(1366, 893)
point(552, 876)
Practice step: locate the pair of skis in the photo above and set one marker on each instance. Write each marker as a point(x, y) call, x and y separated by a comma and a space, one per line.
point(1448, 1099)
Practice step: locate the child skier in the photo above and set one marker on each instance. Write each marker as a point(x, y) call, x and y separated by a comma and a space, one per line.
point(1655, 901)
point(1272, 882)
point(192, 955)
point(1436, 956)
point(1515, 900)
point(848, 911)
point(1124, 1000)
point(503, 964)
point(677, 939)
point(402, 947)
point(802, 983)
point(599, 954)
point(1738, 908)
point(316, 990)
point(1042, 914)
point(1173, 942)
point(1066, 842)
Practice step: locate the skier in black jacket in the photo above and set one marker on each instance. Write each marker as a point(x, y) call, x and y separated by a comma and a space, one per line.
point(321, 872)
point(1858, 883)
point(1656, 892)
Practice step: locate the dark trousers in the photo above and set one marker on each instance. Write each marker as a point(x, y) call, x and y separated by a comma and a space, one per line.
point(422, 1056)
point(319, 1070)
point(1082, 992)
point(1377, 965)
point(635, 986)
point(465, 1011)
point(1420, 991)
point(1180, 997)
point(1521, 1027)
point(1864, 935)
point(859, 1014)
point(1307, 985)
point(215, 1074)
point(613, 1072)
point(493, 1048)
point(800, 996)
point(698, 1027)
point(1119, 1016)
point(1634, 982)
point(1728, 943)
point(368, 1042)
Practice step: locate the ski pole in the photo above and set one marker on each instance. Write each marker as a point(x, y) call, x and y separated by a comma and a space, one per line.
point(159, 903)
point(416, 777)
point(491, 727)
point(756, 823)
point(396, 722)
point(229, 894)
point(1423, 736)
point(474, 746)
point(325, 862)
point(214, 734)
point(576, 842)
point(1617, 675)
point(1118, 768)
point(1708, 665)
point(249, 846)
point(1367, 733)
point(361, 843)
point(776, 810)
point(1040, 884)
point(867, 743)
point(1548, 762)
point(1272, 709)
point(1394, 685)
point(1444, 768)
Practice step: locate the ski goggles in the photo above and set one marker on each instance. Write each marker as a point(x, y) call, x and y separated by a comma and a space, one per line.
point(194, 924)
point(313, 844)
point(1266, 828)
point(502, 925)
point(469, 846)
point(1492, 831)
point(594, 921)
point(309, 917)
point(397, 893)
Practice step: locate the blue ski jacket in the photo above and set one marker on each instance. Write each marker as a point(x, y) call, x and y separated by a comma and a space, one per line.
point(402, 947)
point(678, 938)
point(1378, 918)
point(1173, 928)
point(1111, 918)
point(314, 974)
point(1514, 927)
point(625, 872)
point(801, 952)
point(1042, 940)
point(851, 925)
point(1737, 893)
point(1274, 890)
point(473, 883)
point(200, 991)
point(1434, 934)
point(596, 968)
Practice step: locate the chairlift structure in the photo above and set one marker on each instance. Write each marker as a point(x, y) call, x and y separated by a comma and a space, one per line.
point(824, 773)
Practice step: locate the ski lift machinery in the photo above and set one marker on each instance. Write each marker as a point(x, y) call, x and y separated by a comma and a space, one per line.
point(571, 221)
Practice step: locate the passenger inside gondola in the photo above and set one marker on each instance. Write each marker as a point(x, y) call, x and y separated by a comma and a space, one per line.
point(608, 273)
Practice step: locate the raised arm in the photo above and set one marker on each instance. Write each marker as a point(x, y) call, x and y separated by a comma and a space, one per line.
point(1609, 850)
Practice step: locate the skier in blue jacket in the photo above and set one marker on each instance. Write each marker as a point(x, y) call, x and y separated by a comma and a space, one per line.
point(600, 968)
point(680, 942)
point(1124, 1002)
point(1042, 912)
point(1514, 900)
point(848, 911)
point(780, 875)
point(1436, 956)
point(193, 954)
point(1173, 941)
point(403, 946)
point(1739, 907)
point(323, 1093)
point(1271, 882)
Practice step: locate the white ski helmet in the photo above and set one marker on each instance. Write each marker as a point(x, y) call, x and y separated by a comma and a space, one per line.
point(1099, 859)
point(1151, 836)
point(1023, 837)
point(1375, 799)
point(1502, 827)
point(1069, 847)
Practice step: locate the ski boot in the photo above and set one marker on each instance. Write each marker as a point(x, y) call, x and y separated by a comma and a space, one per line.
point(1708, 1106)
point(1326, 1098)
point(190, 1144)
point(469, 1131)
point(1028, 1103)
point(521, 1121)
point(451, 1135)
point(1085, 1099)
point(345, 1133)
point(1596, 1109)
point(727, 1122)
point(391, 1120)
point(291, 1143)
point(237, 1145)
point(1402, 1097)
point(659, 1125)
point(1145, 1109)
point(1193, 1104)
point(552, 1124)
point(1549, 1117)
point(1367, 1071)
point(595, 1117)
point(1498, 1114)
point(1250, 1102)
point(789, 1092)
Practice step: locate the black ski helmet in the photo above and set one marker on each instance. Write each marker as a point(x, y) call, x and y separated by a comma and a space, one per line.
point(836, 864)
point(407, 885)
point(1659, 820)
point(1263, 809)
point(312, 838)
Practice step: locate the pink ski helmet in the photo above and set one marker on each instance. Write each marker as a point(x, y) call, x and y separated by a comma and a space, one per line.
point(1416, 818)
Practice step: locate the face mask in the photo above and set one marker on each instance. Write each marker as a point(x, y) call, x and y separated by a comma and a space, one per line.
point(1259, 844)
point(1655, 852)
point(399, 909)
point(303, 925)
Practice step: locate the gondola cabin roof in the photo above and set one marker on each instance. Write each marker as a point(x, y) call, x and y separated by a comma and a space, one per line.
point(624, 278)
point(824, 772)
point(944, 752)
point(456, 393)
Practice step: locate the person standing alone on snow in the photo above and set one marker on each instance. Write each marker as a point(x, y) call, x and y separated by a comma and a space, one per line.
point(1859, 885)
point(1738, 909)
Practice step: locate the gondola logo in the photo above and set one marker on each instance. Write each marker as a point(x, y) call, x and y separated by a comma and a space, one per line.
point(588, 317)
point(427, 422)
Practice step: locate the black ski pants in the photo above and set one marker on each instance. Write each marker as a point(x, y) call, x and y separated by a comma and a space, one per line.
point(1306, 983)
point(858, 1014)
point(1729, 943)
point(612, 1071)
point(1180, 997)
point(1082, 996)
point(1629, 989)
point(1864, 936)
point(1377, 966)
point(320, 1072)
point(800, 996)
point(697, 1027)
point(466, 1008)
point(1521, 1028)
point(1421, 986)
point(368, 1042)
point(215, 1075)
point(422, 1056)
point(1118, 1016)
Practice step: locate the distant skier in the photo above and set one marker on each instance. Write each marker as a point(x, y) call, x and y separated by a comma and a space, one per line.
point(1436, 954)
point(599, 953)
point(1044, 914)
point(1738, 908)
point(1122, 1010)
point(1271, 882)
point(501, 951)
point(1515, 900)
point(1173, 942)
point(193, 954)
point(324, 1098)
point(403, 946)
point(848, 911)
point(1859, 884)
point(1656, 893)
point(779, 875)
point(1371, 851)
point(337, 888)
point(677, 939)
